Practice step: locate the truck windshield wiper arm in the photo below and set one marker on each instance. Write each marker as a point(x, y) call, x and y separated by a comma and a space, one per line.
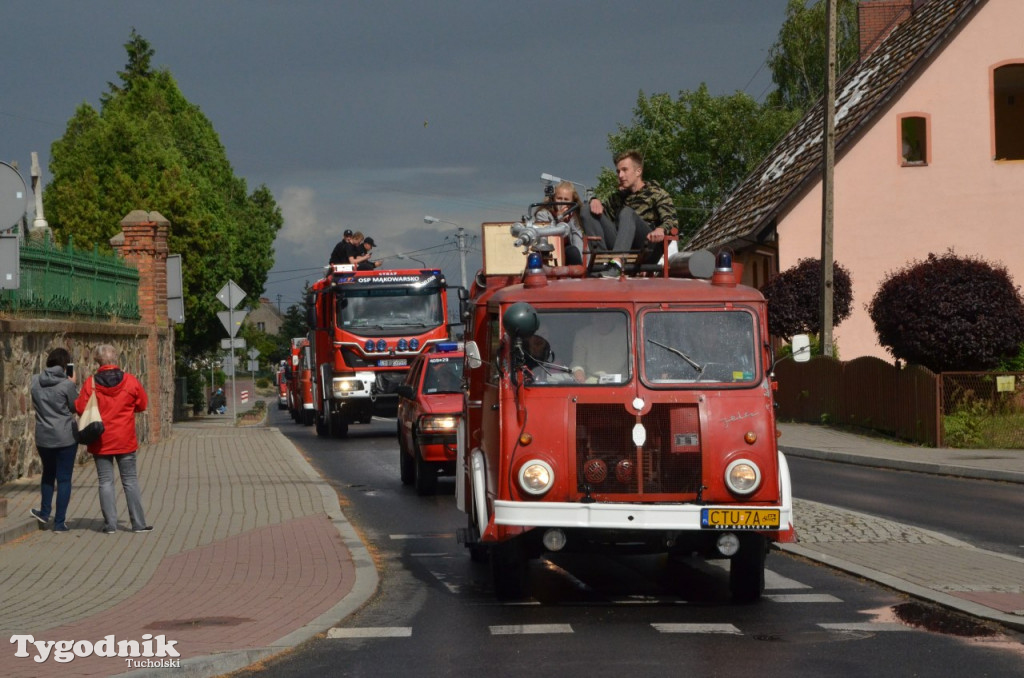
point(693, 363)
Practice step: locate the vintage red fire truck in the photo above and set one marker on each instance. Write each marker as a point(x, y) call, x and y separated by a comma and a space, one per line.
point(625, 412)
point(300, 394)
point(365, 329)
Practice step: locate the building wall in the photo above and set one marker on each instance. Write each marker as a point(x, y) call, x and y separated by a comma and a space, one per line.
point(887, 215)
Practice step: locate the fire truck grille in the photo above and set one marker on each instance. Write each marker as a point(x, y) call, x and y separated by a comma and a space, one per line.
point(387, 382)
point(608, 463)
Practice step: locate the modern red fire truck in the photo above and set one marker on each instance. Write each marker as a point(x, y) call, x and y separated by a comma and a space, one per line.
point(300, 394)
point(625, 412)
point(365, 329)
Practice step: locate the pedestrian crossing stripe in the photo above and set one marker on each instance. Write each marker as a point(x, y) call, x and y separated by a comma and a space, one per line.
point(868, 626)
point(697, 628)
point(801, 598)
point(530, 629)
point(371, 632)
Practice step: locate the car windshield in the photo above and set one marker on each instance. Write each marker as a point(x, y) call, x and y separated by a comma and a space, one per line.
point(443, 374)
point(583, 347)
point(390, 308)
point(698, 346)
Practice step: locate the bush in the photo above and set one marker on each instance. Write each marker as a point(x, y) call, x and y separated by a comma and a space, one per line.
point(794, 298)
point(262, 382)
point(949, 313)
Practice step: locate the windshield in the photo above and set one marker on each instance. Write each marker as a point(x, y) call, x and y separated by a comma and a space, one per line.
point(698, 346)
point(589, 347)
point(390, 308)
point(443, 375)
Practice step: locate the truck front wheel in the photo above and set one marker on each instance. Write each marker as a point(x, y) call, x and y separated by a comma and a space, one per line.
point(746, 569)
point(509, 569)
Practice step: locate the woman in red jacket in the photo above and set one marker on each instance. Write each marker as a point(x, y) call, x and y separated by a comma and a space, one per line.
point(120, 396)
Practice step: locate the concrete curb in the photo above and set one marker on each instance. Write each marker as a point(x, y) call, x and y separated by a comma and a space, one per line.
point(957, 471)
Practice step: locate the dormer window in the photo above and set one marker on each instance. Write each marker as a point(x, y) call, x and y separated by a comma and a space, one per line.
point(1008, 111)
point(913, 139)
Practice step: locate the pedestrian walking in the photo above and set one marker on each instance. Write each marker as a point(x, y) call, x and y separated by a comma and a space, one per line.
point(53, 398)
point(120, 396)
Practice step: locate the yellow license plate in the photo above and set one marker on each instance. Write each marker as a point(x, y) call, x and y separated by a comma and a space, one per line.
point(739, 518)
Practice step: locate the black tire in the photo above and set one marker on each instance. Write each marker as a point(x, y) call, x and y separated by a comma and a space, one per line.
point(321, 426)
point(337, 425)
point(478, 553)
point(308, 417)
point(746, 569)
point(509, 570)
point(426, 476)
point(406, 469)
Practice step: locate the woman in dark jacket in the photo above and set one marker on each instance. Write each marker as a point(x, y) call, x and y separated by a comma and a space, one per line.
point(53, 397)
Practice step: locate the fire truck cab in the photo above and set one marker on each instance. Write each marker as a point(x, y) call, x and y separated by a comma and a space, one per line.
point(300, 394)
point(624, 412)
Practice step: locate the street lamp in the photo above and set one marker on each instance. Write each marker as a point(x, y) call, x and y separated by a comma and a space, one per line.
point(406, 256)
point(460, 239)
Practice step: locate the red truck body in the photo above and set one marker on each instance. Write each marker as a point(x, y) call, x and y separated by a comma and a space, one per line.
point(300, 394)
point(619, 413)
point(366, 329)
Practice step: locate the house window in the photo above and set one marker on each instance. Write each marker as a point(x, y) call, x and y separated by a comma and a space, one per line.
point(262, 327)
point(1008, 111)
point(914, 140)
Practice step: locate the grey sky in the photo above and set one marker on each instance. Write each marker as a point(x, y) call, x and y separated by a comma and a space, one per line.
point(369, 115)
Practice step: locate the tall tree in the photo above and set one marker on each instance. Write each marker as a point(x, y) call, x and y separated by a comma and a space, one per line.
point(698, 146)
point(150, 148)
point(797, 59)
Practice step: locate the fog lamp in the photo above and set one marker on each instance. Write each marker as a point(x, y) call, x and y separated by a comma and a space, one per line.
point(554, 540)
point(728, 544)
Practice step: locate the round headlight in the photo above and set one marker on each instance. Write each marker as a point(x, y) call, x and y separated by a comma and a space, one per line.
point(742, 476)
point(536, 477)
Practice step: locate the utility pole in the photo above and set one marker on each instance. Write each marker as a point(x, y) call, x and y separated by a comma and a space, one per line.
point(279, 304)
point(460, 237)
point(827, 188)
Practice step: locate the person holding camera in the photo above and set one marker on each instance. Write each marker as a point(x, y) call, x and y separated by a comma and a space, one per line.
point(53, 398)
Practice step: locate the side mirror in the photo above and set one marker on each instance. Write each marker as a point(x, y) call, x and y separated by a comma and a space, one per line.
point(801, 348)
point(473, 355)
point(405, 391)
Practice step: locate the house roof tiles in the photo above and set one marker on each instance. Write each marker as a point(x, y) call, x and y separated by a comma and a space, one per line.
point(862, 93)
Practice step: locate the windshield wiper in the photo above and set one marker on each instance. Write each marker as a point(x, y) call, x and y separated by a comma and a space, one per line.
point(693, 363)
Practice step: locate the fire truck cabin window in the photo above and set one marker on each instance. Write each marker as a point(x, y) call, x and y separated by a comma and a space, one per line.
point(692, 347)
point(581, 347)
point(384, 309)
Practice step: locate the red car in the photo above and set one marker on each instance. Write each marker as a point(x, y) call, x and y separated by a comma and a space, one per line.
point(429, 414)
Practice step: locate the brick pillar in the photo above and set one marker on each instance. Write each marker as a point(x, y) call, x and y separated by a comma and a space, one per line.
point(143, 243)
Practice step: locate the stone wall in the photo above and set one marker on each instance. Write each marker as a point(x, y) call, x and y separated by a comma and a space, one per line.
point(23, 348)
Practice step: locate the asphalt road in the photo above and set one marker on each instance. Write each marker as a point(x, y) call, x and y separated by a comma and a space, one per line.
point(435, 613)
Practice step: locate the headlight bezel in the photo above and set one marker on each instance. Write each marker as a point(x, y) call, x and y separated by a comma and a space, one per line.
point(530, 469)
point(434, 424)
point(733, 478)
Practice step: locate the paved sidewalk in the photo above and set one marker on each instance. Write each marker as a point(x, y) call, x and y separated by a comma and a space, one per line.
point(921, 563)
point(251, 554)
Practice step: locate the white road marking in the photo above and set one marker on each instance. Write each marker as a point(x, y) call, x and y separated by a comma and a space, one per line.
point(775, 581)
point(428, 535)
point(802, 598)
point(697, 628)
point(867, 626)
point(530, 629)
point(371, 632)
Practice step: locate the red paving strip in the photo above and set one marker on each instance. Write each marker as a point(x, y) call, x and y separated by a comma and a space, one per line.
point(1012, 603)
point(243, 592)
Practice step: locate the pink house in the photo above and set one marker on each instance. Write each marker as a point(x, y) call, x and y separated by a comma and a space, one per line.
point(929, 156)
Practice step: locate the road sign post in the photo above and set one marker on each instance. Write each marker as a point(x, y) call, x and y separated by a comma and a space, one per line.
point(231, 295)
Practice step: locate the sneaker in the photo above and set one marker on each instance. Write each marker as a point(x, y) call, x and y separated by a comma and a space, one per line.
point(147, 528)
point(613, 269)
point(109, 530)
point(38, 515)
point(60, 527)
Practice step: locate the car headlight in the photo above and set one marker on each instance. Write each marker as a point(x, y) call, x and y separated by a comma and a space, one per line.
point(536, 477)
point(742, 476)
point(344, 387)
point(438, 423)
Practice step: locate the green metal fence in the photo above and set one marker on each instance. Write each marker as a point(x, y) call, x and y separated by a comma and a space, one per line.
point(61, 282)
